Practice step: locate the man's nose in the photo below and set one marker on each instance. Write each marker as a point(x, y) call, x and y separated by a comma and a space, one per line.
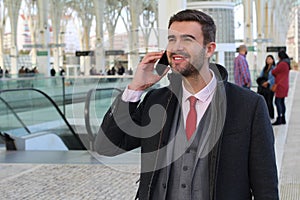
point(175, 46)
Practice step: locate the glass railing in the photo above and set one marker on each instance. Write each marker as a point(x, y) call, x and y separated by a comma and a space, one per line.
point(25, 111)
point(66, 90)
point(30, 111)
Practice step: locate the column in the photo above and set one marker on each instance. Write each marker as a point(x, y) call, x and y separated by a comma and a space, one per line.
point(56, 18)
point(13, 10)
point(248, 40)
point(43, 59)
point(260, 35)
point(133, 57)
point(99, 48)
point(248, 19)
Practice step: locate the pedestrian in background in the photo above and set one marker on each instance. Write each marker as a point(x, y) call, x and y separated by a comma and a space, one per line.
point(1, 75)
point(265, 82)
point(52, 72)
point(281, 74)
point(1, 72)
point(62, 72)
point(7, 75)
point(121, 69)
point(242, 75)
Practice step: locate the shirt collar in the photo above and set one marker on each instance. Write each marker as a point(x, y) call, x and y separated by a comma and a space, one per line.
point(203, 94)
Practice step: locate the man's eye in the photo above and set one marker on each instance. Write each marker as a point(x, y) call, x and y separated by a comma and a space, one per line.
point(171, 39)
point(187, 39)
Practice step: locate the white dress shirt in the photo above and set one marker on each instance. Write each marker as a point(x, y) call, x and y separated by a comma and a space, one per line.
point(204, 97)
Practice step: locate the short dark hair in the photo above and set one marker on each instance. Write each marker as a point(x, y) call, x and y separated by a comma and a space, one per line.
point(207, 23)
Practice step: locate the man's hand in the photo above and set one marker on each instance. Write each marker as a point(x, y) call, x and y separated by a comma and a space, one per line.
point(144, 76)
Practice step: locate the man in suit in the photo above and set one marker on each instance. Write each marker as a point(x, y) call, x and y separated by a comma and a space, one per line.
point(201, 137)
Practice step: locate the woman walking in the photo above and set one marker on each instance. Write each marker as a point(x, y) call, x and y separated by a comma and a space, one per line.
point(281, 74)
point(265, 82)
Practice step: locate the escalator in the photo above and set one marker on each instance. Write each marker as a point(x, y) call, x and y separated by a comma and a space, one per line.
point(29, 112)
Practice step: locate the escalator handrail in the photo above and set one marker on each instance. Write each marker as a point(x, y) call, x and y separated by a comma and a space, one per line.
point(55, 106)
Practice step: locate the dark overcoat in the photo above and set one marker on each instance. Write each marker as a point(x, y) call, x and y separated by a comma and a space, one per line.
point(241, 144)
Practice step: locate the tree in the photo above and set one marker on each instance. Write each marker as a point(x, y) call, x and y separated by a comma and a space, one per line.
point(99, 46)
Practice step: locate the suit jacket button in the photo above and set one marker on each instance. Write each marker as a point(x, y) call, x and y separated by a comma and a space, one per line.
point(185, 168)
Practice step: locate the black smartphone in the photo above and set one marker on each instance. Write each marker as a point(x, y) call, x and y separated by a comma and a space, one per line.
point(162, 64)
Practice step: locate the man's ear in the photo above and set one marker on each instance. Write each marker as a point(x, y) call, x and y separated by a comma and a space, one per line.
point(210, 49)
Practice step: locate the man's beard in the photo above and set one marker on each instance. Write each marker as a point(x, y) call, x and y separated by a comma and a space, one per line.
point(190, 70)
point(193, 68)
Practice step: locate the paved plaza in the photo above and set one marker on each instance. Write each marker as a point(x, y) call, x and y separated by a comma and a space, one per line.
point(68, 181)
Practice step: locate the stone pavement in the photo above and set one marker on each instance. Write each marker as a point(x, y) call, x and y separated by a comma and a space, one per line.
point(73, 175)
point(68, 181)
point(116, 178)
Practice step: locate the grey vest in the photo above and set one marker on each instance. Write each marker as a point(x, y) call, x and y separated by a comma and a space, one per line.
point(187, 177)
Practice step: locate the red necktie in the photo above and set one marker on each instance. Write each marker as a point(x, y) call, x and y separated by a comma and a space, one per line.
point(191, 119)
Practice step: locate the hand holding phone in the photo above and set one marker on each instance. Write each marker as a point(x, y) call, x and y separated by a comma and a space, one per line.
point(162, 64)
